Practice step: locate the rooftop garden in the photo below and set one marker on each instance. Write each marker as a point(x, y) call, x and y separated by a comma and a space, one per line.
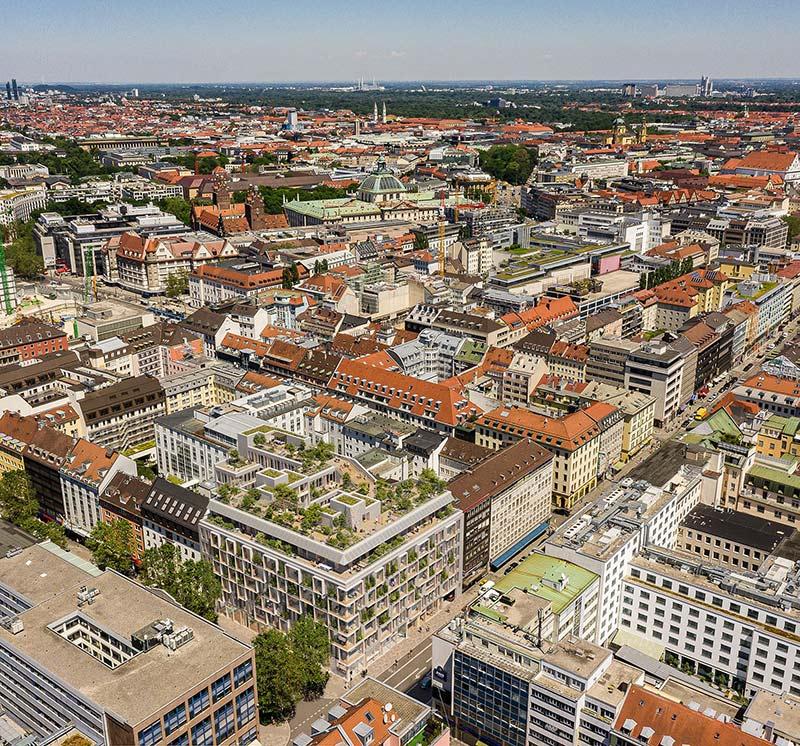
point(763, 290)
point(133, 450)
point(326, 522)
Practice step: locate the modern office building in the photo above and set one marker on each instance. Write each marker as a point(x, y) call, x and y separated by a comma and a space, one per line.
point(509, 685)
point(98, 653)
point(657, 370)
point(736, 628)
point(122, 415)
point(606, 536)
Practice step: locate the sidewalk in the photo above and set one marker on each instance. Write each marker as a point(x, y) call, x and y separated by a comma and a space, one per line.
point(274, 735)
point(421, 634)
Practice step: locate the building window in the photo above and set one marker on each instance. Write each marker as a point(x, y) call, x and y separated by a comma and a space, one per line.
point(223, 721)
point(245, 707)
point(221, 687)
point(174, 719)
point(151, 734)
point(202, 735)
point(242, 673)
point(198, 703)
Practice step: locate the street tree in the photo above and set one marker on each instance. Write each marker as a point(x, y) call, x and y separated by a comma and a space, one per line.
point(113, 546)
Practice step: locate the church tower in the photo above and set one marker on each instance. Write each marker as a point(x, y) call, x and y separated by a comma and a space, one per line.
point(643, 132)
point(220, 190)
point(254, 209)
point(383, 117)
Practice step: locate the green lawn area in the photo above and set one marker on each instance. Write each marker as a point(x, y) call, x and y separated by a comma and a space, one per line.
point(141, 447)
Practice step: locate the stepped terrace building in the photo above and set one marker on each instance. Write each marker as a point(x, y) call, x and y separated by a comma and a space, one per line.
point(369, 560)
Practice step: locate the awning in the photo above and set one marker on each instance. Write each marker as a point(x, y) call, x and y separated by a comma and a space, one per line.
point(642, 644)
point(519, 546)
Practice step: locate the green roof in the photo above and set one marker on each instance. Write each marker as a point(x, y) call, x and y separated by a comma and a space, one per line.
point(776, 475)
point(532, 570)
point(788, 425)
point(472, 351)
point(722, 422)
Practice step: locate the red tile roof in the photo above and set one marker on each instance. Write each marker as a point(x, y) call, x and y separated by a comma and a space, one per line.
point(447, 405)
point(647, 718)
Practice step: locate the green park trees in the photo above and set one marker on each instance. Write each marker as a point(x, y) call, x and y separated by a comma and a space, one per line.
point(290, 667)
point(18, 505)
point(191, 583)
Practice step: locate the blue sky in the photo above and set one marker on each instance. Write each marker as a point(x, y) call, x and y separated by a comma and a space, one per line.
point(247, 40)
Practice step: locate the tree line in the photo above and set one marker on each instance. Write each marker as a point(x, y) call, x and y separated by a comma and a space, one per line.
point(648, 280)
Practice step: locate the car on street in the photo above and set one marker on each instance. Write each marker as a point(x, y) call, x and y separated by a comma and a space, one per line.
point(426, 681)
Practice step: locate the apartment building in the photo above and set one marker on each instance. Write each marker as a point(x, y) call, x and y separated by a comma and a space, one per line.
point(436, 406)
point(368, 565)
point(478, 328)
point(122, 415)
point(28, 340)
point(373, 712)
point(100, 654)
point(638, 410)
point(122, 501)
point(606, 536)
point(651, 717)
point(160, 349)
point(770, 489)
point(43, 458)
point(608, 358)
point(574, 439)
point(16, 432)
point(519, 379)
point(171, 514)
point(85, 474)
point(772, 393)
point(779, 437)
point(431, 356)
point(506, 501)
point(737, 629)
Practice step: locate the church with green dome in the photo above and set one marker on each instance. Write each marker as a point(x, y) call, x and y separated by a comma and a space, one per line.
point(380, 197)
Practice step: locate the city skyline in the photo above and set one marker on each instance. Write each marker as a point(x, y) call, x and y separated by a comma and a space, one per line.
point(183, 43)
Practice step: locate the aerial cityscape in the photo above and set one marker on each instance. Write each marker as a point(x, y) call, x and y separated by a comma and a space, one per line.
point(371, 383)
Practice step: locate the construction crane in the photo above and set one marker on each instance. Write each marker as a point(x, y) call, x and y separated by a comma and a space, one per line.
point(7, 307)
point(442, 233)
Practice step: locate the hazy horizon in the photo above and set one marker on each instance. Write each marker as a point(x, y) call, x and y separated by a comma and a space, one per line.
point(182, 42)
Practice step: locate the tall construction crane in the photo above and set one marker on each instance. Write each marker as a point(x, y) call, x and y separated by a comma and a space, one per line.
point(442, 233)
point(7, 307)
